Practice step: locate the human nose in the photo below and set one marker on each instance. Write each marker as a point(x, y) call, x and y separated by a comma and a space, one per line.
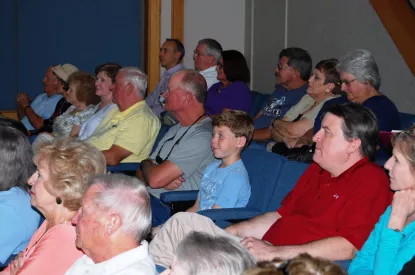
point(388, 164)
point(31, 181)
point(74, 219)
point(317, 136)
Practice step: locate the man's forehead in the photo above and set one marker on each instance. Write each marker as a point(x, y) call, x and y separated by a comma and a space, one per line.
point(331, 122)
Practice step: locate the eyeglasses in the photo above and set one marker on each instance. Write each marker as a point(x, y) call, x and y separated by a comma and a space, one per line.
point(347, 82)
point(198, 53)
point(220, 65)
point(282, 67)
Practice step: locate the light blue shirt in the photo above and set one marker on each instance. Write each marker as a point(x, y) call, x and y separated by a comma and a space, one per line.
point(226, 187)
point(385, 251)
point(153, 100)
point(18, 222)
point(89, 125)
point(43, 106)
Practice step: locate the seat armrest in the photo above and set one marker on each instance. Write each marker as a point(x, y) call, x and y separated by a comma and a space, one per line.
point(230, 213)
point(124, 167)
point(175, 196)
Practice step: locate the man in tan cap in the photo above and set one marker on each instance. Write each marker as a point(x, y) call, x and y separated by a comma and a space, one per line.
point(33, 113)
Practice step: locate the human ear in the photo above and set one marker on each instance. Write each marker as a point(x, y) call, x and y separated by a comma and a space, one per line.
point(113, 224)
point(354, 145)
point(241, 141)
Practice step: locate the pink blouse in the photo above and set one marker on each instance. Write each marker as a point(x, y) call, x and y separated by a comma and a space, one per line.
point(50, 253)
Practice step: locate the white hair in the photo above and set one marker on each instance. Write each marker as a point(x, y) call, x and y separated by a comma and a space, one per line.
point(127, 197)
point(136, 77)
point(200, 253)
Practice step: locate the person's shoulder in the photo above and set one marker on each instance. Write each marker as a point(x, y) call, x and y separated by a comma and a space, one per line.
point(380, 101)
point(378, 176)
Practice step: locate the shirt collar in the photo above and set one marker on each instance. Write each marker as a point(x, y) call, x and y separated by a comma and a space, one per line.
point(349, 172)
point(119, 262)
point(174, 69)
point(133, 107)
point(209, 70)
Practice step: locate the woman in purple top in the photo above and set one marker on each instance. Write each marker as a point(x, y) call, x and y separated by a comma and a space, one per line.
point(232, 91)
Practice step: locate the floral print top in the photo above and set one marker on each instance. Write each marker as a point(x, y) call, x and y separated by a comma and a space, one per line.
point(62, 126)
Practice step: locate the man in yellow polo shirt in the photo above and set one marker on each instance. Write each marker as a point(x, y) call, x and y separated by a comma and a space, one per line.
point(127, 133)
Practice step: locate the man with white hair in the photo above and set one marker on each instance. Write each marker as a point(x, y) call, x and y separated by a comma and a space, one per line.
point(206, 56)
point(127, 133)
point(112, 234)
point(33, 114)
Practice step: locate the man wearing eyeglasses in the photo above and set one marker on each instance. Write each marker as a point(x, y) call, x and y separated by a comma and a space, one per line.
point(206, 56)
point(292, 73)
point(184, 152)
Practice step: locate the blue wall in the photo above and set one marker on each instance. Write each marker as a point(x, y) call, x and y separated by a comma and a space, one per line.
point(8, 58)
point(85, 33)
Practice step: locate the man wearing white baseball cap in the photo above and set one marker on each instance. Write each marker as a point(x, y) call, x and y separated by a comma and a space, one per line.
point(32, 114)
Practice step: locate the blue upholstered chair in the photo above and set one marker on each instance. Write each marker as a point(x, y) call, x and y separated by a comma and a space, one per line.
point(258, 99)
point(264, 170)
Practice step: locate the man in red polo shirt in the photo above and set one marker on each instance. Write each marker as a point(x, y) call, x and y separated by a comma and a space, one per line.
point(331, 210)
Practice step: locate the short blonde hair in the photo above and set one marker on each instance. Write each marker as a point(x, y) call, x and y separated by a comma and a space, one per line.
point(70, 163)
point(405, 143)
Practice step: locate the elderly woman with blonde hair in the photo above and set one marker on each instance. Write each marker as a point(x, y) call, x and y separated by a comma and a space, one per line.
point(63, 169)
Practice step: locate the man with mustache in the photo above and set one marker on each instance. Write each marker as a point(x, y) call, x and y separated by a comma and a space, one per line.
point(292, 73)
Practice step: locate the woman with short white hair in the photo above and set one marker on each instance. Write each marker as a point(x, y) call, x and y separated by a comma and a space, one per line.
point(202, 254)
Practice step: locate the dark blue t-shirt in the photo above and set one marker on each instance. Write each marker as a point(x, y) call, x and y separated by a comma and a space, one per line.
point(384, 109)
point(278, 104)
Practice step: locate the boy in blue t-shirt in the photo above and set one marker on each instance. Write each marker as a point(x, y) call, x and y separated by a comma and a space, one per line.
point(225, 182)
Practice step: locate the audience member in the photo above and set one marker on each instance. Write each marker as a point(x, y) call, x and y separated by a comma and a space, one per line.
point(81, 94)
point(112, 234)
point(184, 152)
point(127, 133)
point(292, 72)
point(106, 74)
point(324, 215)
point(32, 113)
point(201, 254)
point(303, 264)
point(323, 85)
point(171, 55)
point(225, 182)
point(206, 56)
point(232, 91)
point(392, 242)
point(63, 168)
point(18, 219)
point(361, 81)
point(62, 72)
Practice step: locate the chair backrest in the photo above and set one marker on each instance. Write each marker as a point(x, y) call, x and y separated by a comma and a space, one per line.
point(264, 170)
point(407, 120)
point(258, 99)
point(290, 174)
point(163, 130)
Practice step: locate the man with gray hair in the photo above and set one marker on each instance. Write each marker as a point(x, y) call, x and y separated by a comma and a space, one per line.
point(112, 234)
point(127, 133)
point(206, 56)
point(184, 152)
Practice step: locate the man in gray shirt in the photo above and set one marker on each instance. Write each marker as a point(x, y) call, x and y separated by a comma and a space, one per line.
point(184, 152)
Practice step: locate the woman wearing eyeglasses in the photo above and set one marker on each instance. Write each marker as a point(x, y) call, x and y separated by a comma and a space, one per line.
point(361, 81)
point(323, 85)
point(392, 242)
point(232, 91)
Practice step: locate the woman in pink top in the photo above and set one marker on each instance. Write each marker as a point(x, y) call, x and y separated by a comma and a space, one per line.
point(63, 168)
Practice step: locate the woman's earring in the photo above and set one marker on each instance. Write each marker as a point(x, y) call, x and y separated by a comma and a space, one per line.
point(58, 200)
point(327, 90)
